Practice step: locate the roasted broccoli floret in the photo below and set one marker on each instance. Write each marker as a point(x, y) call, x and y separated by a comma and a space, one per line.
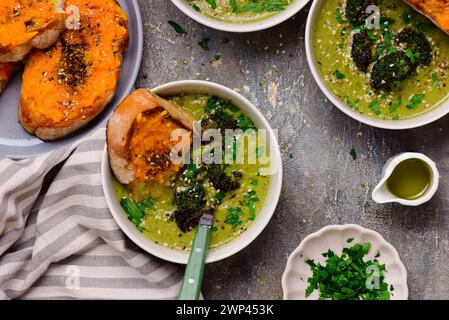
point(418, 45)
point(355, 11)
point(223, 178)
point(388, 71)
point(217, 117)
point(190, 204)
point(361, 51)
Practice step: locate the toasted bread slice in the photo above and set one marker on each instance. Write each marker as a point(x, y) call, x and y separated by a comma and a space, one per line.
point(68, 85)
point(6, 70)
point(436, 10)
point(28, 24)
point(138, 137)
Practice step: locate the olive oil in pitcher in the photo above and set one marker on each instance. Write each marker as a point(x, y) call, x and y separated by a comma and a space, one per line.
point(410, 180)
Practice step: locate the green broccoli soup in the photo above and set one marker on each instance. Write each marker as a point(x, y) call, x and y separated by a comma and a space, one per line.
point(394, 71)
point(239, 11)
point(168, 213)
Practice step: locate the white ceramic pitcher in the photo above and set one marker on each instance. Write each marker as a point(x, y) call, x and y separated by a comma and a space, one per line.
point(381, 193)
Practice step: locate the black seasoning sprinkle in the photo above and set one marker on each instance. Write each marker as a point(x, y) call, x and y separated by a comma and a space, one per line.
point(72, 67)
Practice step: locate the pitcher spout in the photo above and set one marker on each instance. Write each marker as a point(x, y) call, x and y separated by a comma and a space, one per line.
point(381, 193)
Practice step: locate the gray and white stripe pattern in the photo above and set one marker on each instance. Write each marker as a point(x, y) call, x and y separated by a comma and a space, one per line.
point(58, 239)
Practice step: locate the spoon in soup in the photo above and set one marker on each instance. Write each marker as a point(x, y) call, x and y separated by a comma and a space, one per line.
point(193, 276)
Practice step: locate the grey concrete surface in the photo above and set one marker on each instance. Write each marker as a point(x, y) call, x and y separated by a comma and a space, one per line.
point(322, 184)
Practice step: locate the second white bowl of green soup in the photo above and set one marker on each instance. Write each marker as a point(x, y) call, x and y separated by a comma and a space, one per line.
point(379, 61)
point(158, 201)
point(240, 15)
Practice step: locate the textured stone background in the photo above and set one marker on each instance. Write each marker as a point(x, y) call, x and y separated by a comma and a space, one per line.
point(322, 184)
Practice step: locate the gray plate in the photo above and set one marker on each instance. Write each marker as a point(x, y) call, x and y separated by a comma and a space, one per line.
point(16, 143)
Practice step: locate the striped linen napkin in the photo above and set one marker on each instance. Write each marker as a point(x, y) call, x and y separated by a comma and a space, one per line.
point(58, 239)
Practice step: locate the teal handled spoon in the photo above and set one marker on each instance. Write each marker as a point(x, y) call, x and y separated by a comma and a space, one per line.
point(193, 277)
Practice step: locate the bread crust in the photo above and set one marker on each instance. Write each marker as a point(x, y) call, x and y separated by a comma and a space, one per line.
point(67, 86)
point(43, 37)
point(6, 69)
point(2, 85)
point(120, 128)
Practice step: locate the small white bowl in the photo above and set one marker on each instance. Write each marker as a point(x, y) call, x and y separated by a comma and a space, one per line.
point(294, 279)
point(195, 86)
point(269, 22)
point(419, 121)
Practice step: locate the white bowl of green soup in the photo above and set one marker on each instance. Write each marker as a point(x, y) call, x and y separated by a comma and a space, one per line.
point(380, 62)
point(244, 200)
point(240, 15)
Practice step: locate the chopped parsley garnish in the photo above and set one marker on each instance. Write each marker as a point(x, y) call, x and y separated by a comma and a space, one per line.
point(196, 8)
point(147, 204)
point(217, 57)
point(250, 198)
point(375, 107)
point(177, 27)
point(411, 17)
point(339, 16)
point(415, 101)
point(352, 104)
point(353, 154)
point(212, 3)
point(204, 44)
point(410, 55)
point(132, 210)
point(396, 105)
point(348, 276)
point(136, 211)
point(254, 182)
point(259, 6)
point(219, 196)
point(234, 217)
point(339, 75)
point(436, 80)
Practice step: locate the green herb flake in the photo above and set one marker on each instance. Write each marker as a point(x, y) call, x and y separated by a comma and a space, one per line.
point(204, 44)
point(245, 123)
point(410, 55)
point(212, 3)
point(374, 106)
point(352, 104)
point(396, 105)
point(234, 217)
point(415, 101)
point(219, 196)
point(339, 16)
point(353, 154)
point(179, 30)
point(133, 211)
point(249, 199)
point(196, 8)
point(258, 6)
point(147, 204)
point(339, 75)
point(436, 80)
